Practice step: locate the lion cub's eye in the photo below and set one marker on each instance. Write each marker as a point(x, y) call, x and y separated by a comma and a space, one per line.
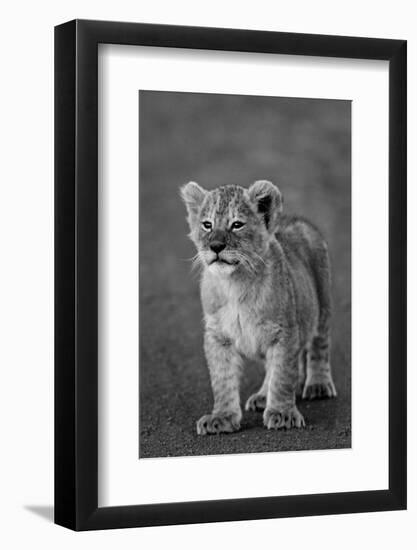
point(236, 226)
point(207, 226)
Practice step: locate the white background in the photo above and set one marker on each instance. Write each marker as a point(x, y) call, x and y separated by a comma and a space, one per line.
point(123, 479)
point(26, 286)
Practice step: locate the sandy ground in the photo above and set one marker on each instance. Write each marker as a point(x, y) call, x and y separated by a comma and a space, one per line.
point(304, 147)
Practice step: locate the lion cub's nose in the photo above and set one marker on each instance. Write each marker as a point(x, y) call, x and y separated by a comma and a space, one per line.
point(217, 246)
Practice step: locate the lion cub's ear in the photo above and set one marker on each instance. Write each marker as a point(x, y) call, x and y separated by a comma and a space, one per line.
point(268, 202)
point(192, 195)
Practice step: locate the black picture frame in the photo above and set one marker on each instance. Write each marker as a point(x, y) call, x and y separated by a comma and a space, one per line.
point(76, 274)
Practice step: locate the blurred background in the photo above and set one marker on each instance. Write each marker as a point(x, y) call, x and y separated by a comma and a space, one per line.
point(303, 146)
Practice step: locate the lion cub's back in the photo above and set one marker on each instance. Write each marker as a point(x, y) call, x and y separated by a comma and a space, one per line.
point(308, 262)
point(300, 237)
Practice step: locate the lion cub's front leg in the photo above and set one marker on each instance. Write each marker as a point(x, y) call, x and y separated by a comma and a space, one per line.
point(282, 365)
point(224, 364)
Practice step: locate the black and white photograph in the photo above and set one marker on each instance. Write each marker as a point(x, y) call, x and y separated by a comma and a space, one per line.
point(208, 280)
point(244, 274)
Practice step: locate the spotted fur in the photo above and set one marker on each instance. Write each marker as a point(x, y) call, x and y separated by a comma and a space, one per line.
point(265, 291)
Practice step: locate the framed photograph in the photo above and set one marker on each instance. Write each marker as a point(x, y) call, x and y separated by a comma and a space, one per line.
point(230, 275)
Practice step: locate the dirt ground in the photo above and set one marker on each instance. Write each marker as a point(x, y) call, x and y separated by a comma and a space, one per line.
point(303, 146)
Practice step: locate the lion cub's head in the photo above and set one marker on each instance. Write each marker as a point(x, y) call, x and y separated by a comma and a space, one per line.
point(232, 226)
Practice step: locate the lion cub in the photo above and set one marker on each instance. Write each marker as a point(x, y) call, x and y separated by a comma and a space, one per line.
point(265, 291)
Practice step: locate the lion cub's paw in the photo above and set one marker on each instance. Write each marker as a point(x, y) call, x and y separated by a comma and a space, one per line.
point(218, 423)
point(289, 418)
point(256, 402)
point(319, 389)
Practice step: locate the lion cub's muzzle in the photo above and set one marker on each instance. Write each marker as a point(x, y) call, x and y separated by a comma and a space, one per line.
point(217, 245)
